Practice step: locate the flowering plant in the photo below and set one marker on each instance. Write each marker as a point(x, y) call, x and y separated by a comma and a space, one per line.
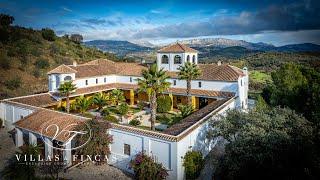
point(145, 167)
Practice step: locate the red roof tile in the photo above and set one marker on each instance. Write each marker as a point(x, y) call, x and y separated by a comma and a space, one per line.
point(177, 48)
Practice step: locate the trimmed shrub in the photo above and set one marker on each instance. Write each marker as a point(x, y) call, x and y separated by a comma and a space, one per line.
point(48, 34)
point(145, 168)
point(193, 163)
point(105, 111)
point(164, 104)
point(111, 118)
point(134, 122)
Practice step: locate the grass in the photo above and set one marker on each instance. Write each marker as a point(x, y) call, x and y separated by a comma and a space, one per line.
point(168, 118)
point(260, 77)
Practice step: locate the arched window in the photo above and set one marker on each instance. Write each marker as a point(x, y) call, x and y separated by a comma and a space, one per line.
point(194, 59)
point(177, 59)
point(188, 58)
point(164, 59)
point(67, 78)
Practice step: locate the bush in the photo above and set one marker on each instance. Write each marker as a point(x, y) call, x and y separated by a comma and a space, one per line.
point(145, 167)
point(123, 109)
point(193, 163)
point(111, 118)
point(134, 122)
point(13, 84)
point(164, 104)
point(185, 110)
point(42, 63)
point(48, 34)
point(105, 112)
point(5, 62)
point(76, 38)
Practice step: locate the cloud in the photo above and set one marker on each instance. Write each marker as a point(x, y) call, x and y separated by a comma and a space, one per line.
point(94, 21)
point(66, 9)
point(291, 17)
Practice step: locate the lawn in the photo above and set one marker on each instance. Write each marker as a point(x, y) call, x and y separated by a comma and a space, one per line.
point(260, 77)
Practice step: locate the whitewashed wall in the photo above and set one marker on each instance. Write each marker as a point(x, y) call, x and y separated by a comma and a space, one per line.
point(163, 151)
point(171, 66)
point(11, 114)
point(196, 140)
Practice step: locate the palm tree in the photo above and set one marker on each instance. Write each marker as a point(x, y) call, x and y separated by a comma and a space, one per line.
point(65, 89)
point(153, 81)
point(100, 99)
point(116, 96)
point(188, 72)
point(83, 104)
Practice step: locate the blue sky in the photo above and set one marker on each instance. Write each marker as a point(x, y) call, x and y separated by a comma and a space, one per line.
point(276, 22)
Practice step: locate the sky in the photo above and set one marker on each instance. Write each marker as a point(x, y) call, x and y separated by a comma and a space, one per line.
point(160, 21)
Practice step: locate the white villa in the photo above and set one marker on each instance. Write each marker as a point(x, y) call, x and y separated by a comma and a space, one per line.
point(219, 88)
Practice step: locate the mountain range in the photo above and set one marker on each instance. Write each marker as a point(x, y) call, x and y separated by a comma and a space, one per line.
point(208, 47)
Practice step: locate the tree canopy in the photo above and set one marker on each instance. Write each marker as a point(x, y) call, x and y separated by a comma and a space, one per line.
point(266, 144)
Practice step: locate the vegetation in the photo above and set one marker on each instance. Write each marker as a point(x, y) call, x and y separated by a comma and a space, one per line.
point(99, 142)
point(116, 97)
point(168, 118)
point(82, 104)
point(153, 82)
point(188, 72)
point(111, 118)
point(266, 144)
point(296, 87)
point(100, 100)
point(146, 168)
point(66, 89)
point(21, 47)
point(48, 34)
point(134, 122)
point(123, 109)
point(76, 38)
point(163, 104)
point(13, 83)
point(193, 163)
point(185, 110)
point(15, 169)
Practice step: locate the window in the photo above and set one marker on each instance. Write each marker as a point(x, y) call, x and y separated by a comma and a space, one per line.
point(177, 59)
point(105, 80)
point(179, 100)
point(194, 59)
point(188, 58)
point(165, 59)
point(86, 82)
point(199, 84)
point(67, 78)
point(242, 105)
point(126, 149)
point(174, 82)
point(96, 81)
point(241, 82)
point(21, 117)
point(130, 79)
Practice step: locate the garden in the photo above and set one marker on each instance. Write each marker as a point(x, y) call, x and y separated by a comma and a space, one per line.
point(112, 106)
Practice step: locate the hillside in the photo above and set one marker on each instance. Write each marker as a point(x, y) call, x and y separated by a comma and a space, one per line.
point(25, 58)
point(121, 48)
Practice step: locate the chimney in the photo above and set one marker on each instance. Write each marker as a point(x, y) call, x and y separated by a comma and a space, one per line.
point(219, 63)
point(74, 63)
point(245, 70)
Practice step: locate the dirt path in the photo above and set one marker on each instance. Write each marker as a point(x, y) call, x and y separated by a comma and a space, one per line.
point(7, 148)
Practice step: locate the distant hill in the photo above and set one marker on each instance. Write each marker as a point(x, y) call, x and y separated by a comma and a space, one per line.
point(234, 52)
point(121, 48)
point(26, 56)
point(223, 43)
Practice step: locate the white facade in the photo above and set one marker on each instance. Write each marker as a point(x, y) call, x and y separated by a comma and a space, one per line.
point(171, 65)
point(169, 153)
point(12, 113)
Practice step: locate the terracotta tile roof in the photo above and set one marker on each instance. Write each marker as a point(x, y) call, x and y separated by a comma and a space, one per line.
point(177, 48)
point(62, 69)
point(39, 120)
point(190, 120)
point(38, 100)
point(123, 86)
point(102, 67)
point(180, 130)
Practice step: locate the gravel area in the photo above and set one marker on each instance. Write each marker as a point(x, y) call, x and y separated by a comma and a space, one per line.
point(7, 148)
point(91, 171)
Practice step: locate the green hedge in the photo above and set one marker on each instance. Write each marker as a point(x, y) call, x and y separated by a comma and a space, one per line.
point(111, 118)
point(134, 122)
point(164, 104)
